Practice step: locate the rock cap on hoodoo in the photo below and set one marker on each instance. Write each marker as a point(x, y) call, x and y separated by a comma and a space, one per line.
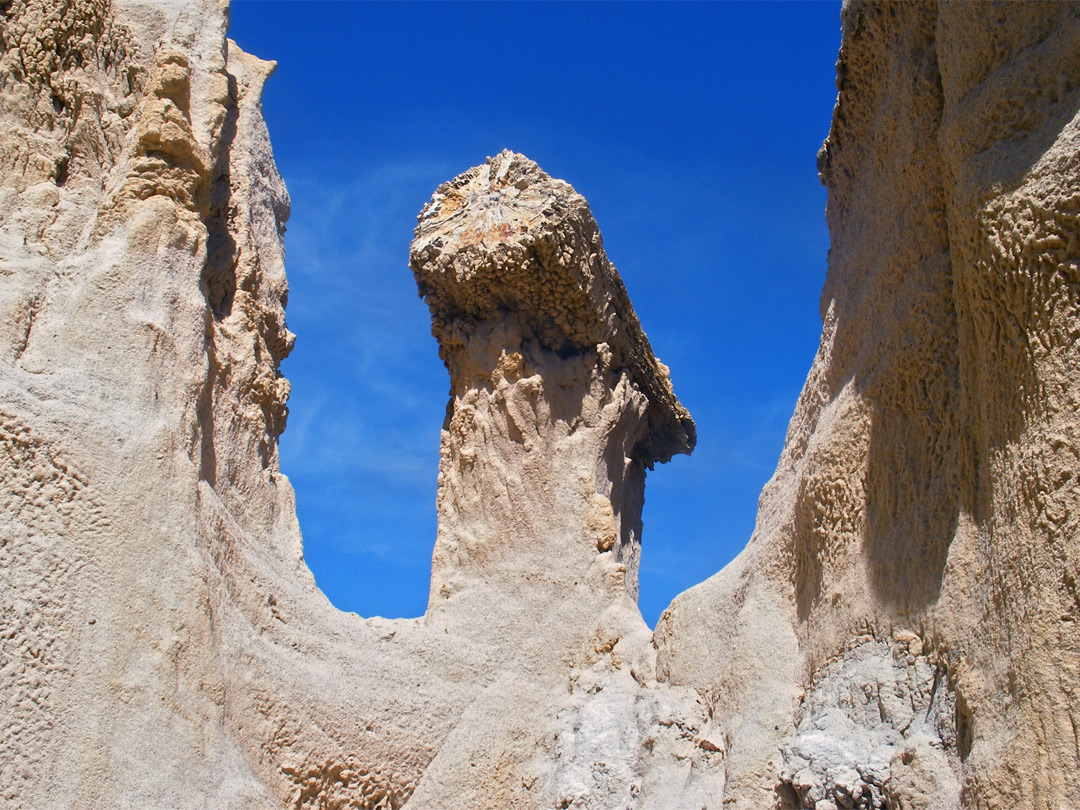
point(506, 237)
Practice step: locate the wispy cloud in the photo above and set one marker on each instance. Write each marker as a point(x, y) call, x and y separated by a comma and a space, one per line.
point(368, 387)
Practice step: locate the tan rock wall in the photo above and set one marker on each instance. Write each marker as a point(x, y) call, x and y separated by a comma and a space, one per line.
point(926, 489)
point(900, 632)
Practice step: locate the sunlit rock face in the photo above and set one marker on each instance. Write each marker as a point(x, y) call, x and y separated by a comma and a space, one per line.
point(163, 643)
point(558, 404)
point(909, 590)
point(141, 328)
point(899, 633)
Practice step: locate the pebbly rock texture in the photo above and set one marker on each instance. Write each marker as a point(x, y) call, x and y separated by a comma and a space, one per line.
point(900, 632)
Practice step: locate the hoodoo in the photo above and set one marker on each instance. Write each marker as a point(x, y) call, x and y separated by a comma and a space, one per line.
point(558, 406)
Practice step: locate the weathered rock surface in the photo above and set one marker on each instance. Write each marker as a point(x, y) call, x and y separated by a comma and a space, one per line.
point(927, 495)
point(557, 408)
point(162, 642)
point(900, 633)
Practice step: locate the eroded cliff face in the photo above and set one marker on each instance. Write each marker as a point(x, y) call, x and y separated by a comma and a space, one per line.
point(163, 642)
point(900, 632)
point(116, 167)
point(917, 544)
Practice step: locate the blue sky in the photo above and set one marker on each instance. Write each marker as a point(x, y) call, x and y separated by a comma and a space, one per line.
point(691, 129)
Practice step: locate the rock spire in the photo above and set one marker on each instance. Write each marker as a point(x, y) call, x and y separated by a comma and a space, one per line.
point(558, 404)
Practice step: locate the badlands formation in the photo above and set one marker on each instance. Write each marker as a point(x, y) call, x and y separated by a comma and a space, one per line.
point(900, 632)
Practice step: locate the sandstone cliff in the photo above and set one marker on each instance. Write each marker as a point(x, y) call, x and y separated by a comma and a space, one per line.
point(900, 631)
point(163, 643)
point(909, 590)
